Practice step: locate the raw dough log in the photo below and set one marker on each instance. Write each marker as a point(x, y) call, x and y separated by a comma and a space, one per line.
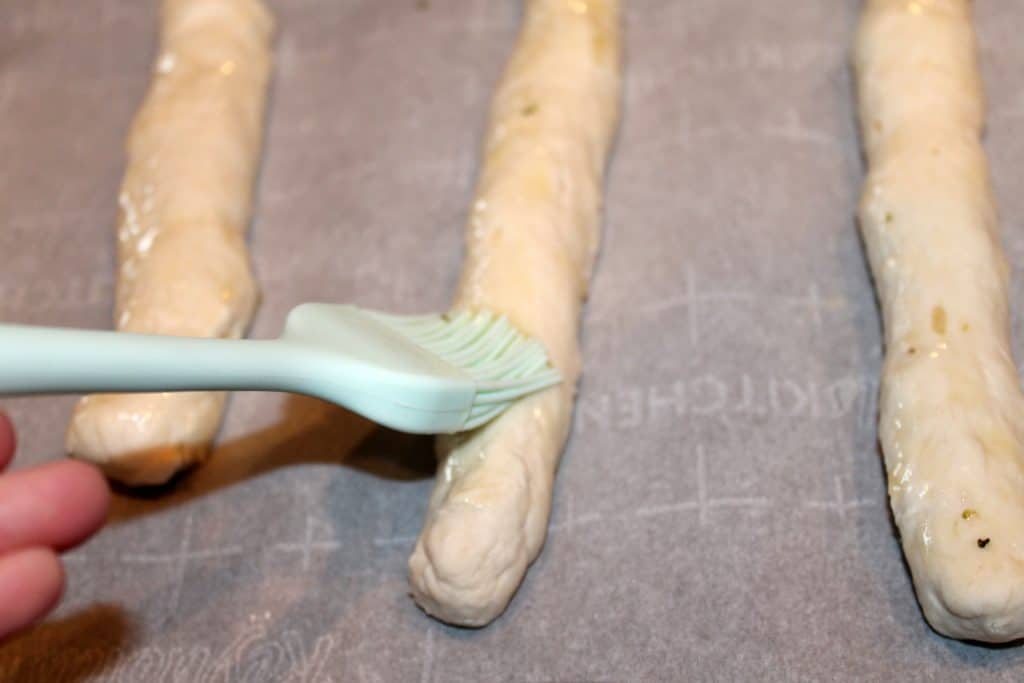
point(531, 241)
point(951, 405)
point(192, 155)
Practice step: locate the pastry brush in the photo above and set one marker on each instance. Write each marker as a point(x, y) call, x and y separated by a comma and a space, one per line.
point(420, 374)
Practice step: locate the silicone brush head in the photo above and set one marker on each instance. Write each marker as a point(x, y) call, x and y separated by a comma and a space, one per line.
point(505, 364)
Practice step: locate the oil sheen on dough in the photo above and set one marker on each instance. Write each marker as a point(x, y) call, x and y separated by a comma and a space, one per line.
point(192, 155)
point(531, 240)
point(951, 404)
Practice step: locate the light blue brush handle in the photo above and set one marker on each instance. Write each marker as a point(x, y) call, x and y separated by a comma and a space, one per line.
point(36, 360)
point(331, 352)
point(423, 374)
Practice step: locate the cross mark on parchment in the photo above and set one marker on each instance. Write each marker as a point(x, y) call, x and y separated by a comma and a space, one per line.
point(694, 299)
point(180, 560)
point(839, 504)
point(704, 503)
point(309, 543)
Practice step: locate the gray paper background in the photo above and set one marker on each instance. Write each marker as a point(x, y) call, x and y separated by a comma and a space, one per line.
point(720, 512)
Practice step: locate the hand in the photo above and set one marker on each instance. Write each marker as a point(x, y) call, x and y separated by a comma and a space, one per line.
point(42, 510)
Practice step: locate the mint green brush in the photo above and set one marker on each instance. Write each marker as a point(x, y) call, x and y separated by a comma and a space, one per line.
point(421, 374)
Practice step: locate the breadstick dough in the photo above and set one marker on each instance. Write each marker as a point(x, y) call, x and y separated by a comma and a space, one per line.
point(951, 406)
point(192, 156)
point(531, 241)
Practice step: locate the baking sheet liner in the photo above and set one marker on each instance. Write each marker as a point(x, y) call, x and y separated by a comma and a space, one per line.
point(720, 512)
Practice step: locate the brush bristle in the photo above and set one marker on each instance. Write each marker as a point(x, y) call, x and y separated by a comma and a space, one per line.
point(506, 364)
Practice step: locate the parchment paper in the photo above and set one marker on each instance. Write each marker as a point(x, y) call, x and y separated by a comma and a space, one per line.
point(720, 511)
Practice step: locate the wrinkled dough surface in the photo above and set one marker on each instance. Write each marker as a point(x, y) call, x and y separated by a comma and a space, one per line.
point(951, 406)
point(530, 244)
point(183, 267)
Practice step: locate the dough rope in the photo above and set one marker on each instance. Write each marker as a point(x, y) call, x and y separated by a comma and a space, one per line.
point(951, 406)
point(192, 155)
point(530, 245)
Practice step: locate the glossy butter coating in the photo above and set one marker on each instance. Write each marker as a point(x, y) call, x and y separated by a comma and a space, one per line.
point(530, 243)
point(951, 407)
point(192, 155)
